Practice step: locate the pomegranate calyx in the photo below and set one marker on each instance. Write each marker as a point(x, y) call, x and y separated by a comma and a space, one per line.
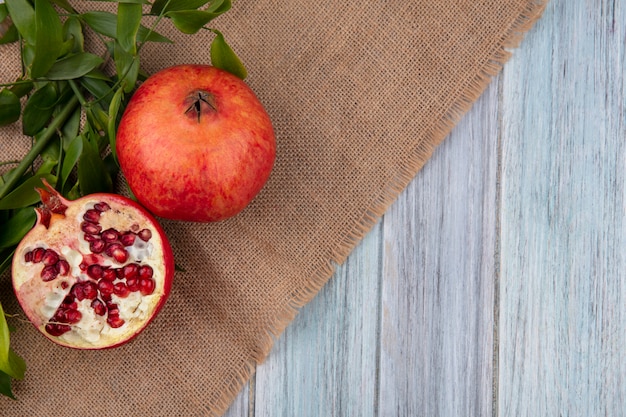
point(52, 202)
point(200, 102)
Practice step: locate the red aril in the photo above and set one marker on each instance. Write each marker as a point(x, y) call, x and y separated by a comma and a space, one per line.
point(71, 271)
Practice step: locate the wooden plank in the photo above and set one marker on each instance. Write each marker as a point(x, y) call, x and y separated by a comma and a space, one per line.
point(438, 278)
point(324, 364)
point(423, 343)
point(241, 406)
point(563, 237)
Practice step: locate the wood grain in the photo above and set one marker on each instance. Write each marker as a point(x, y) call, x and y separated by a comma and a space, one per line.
point(563, 294)
point(325, 364)
point(438, 285)
point(495, 285)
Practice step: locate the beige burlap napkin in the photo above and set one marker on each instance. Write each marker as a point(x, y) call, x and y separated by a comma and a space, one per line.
point(360, 94)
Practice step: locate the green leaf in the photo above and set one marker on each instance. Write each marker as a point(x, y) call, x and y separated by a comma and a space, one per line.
point(72, 155)
point(99, 88)
point(49, 38)
point(14, 229)
point(98, 74)
point(191, 21)
point(6, 256)
point(8, 31)
point(73, 29)
point(114, 109)
point(65, 5)
point(220, 6)
point(222, 56)
point(10, 107)
point(111, 165)
point(161, 6)
point(50, 154)
point(128, 22)
point(125, 1)
point(158, 6)
point(92, 174)
point(5, 386)
point(10, 363)
point(127, 67)
point(69, 131)
point(23, 16)
point(24, 195)
point(39, 109)
point(22, 87)
point(74, 66)
point(105, 23)
point(147, 35)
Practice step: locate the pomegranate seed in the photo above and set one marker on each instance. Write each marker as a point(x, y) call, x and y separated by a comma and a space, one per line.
point(38, 255)
point(105, 287)
point(115, 321)
point(64, 285)
point(133, 284)
point(72, 316)
point(127, 239)
point(91, 238)
point(90, 289)
point(63, 266)
point(146, 286)
point(98, 307)
point(68, 302)
point(130, 271)
point(102, 206)
point(110, 235)
point(85, 290)
point(90, 228)
point(110, 247)
point(49, 257)
point(109, 274)
point(95, 271)
point(49, 273)
point(112, 308)
point(78, 291)
point(145, 234)
point(121, 290)
point(97, 246)
point(92, 216)
point(120, 255)
point(28, 257)
point(57, 329)
point(145, 271)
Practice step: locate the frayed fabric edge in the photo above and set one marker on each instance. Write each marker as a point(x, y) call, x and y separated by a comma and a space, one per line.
point(323, 271)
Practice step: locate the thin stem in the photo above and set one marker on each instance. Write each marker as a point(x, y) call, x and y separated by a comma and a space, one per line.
point(77, 92)
point(19, 82)
point(38, 146)
point(154, 25)
point(15, 162)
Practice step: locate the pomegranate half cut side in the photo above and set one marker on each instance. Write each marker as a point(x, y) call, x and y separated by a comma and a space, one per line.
point(93, 272)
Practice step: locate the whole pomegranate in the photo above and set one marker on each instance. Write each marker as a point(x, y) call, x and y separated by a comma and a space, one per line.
point(93, 272)
point(195, 143)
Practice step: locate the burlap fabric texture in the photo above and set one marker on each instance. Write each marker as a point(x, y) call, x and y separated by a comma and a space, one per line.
point(360, 94)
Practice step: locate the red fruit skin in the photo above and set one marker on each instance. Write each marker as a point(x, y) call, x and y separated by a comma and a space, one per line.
point(202, 169)
point(40, 228)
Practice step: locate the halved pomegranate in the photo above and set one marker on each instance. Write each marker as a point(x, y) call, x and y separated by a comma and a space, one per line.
point(93, 272)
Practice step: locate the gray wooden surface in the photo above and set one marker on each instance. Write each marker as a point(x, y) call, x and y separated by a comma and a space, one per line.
point(495, 285)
